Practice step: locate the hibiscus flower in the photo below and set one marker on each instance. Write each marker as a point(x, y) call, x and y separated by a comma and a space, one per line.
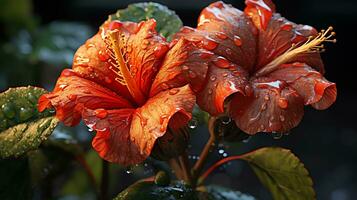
point(110, 87)
point(263, 68)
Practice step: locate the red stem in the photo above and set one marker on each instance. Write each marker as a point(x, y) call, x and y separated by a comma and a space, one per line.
point(217, 164)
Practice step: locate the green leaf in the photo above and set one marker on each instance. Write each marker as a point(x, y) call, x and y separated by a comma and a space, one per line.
point(146, 190)
point(214, 192)
point(168, 23)
point(282, 173)
point(22, 127)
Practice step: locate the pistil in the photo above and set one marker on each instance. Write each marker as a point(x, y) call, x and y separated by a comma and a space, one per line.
point(312, 45)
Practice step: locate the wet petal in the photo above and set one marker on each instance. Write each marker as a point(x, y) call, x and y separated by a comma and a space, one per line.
point(274, 107)
point(73, 93)
point(151, 120)
point(227, 32)
point(310, 84)
point(142, 49)
point(112, 140)
point(232, 30)
point(279, 37)
point(220, 84)
point(184, 63)
point(260, 11)
point(91, 61)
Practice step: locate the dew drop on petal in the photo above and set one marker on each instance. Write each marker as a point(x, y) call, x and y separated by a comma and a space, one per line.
point(205, 55)
point(282, 118)
point(213, 78)
point(221, 62)
point(103, 56)
point(192, 74)
point(237, 41)
point(221, 35)
point(185, 68)
point(72, 97)
point(286, 27)
point(209, 44)
point(160, 50)
point(101, 113)
point(210, 91)
point(283, 103)
point(108, 80)
point(63, 86)
point(174, 91)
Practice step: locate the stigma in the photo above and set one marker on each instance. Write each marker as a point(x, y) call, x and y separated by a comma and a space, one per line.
point(314, 44)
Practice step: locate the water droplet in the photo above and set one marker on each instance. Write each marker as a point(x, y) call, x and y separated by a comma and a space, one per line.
point(226, 120)
point(220, 151)
point(247, 139)
point(8, 110)
point(103, 56)
point(213, 78)
point(225, 74)
point(101, 113)
point(248, 90)
point(221, 35)
point(62, 86)
point(282, 118)
point(277, 135)
point(72, 97)
point(129, 171)
point(160, 50)
point(25, 114)
point(209, 44)
point(192, 124)
point(221, 62)
point(185, 68)
point(286, 27)
point(192, 74)
point(224, 154)
point(266, 97)
point(108, 80)
point(283, 103)
point(237, 41)
point(174, 91)
point(205, 55)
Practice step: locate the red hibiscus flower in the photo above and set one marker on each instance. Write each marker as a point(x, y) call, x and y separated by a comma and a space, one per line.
point(268, 66)
point(111, 88)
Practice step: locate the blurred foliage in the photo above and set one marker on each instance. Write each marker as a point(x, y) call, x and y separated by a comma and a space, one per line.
point(215, 192)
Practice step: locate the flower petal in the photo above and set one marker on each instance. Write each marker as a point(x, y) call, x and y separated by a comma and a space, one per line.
point(184, 63)
point(151, 120)
point(310, 84)
point(220, 84)
point(91, 61)
point(142, 48)
point(73, 93)
point(260, 11)
point(279, 36)
point(112, 140)
point(227, 32)
point(274, 107)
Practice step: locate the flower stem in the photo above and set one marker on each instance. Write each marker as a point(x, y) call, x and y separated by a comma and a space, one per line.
point(217, 164)
point(104, 181)
point(206, 150)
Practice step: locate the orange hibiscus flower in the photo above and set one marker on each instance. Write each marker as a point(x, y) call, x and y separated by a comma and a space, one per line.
point(268, 66)
point(111, 88)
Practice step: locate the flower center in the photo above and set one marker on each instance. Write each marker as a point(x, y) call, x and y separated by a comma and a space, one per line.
point(115, 46)
point(312, 45)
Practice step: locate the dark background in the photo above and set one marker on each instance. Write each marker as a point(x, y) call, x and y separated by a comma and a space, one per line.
point(326, 141)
